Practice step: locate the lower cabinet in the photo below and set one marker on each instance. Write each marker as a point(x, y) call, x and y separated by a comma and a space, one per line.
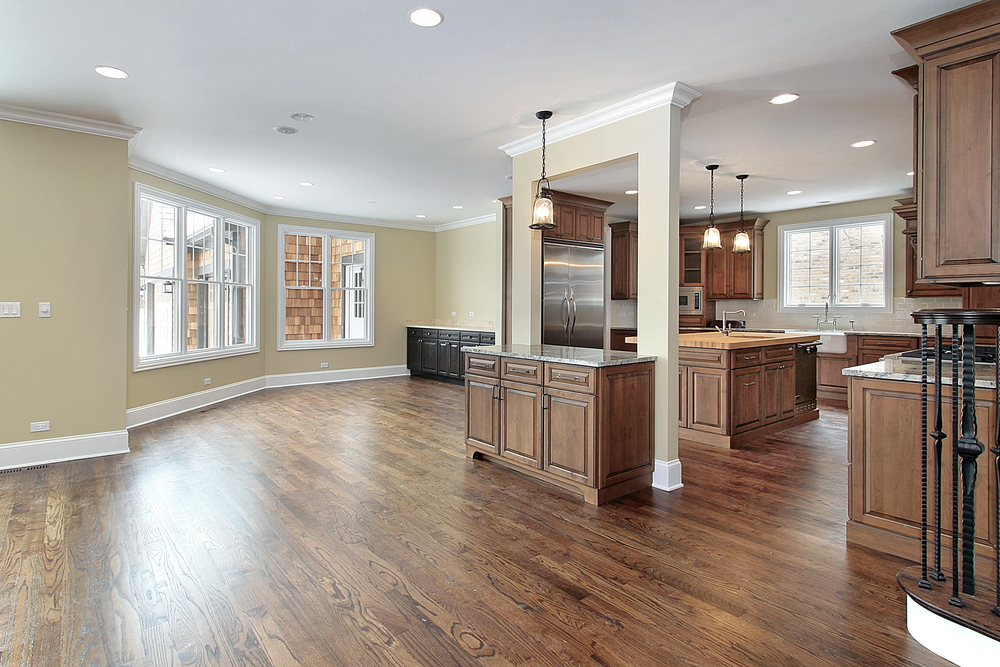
point(779, 391)
point(438, 353)
point(583, 428)
point(747, 398)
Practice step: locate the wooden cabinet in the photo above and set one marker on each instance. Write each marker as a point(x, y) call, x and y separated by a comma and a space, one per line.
point(624, 260)
point(437, 353)
point(618, 337)
point(736, 276)
point(980, 296)
point(873, 348)
point(748, 398)
point(692, 257)
point(907, 210)
point(577, 218)
point(778, 391)
point(958, 152)
point(583, 428)
point(683, 419)
point(708, 399)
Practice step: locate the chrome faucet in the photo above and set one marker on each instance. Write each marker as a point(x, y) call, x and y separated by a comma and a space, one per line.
point(826, 317)
point(726, 324)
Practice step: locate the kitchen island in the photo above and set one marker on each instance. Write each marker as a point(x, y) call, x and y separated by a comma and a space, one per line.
point(577, 418)
point(739, 387)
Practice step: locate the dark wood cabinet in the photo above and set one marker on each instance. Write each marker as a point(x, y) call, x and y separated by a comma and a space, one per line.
point(779, 391)
point(429, 355)
point(873, 348)
point(728, 275)
point(569, 424)
point(482, 412)
point(437, 353)
point(747, 398)
point(577, 218)
point(958, 154)
point(682, 397)
point(521, 423)
point(618, 337)
point(624, 260)
point(692, 257)
point(708, 399)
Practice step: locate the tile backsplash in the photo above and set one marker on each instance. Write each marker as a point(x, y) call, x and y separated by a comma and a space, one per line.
point(764, 315)
point(621, 313)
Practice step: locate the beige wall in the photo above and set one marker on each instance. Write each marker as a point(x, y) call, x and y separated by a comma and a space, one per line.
point(404, 289)
point(158, 384)
point(467, 273)
point(64, 238)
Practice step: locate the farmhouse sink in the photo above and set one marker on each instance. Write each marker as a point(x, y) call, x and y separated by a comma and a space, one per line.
point(834, 342)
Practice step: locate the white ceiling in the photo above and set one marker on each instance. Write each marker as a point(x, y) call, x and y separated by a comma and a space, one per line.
point(411, 118)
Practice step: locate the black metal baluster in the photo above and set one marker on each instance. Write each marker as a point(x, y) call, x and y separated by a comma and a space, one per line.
point(955, 600)
point(969, 448)
point(939, 435)
point(924, 581)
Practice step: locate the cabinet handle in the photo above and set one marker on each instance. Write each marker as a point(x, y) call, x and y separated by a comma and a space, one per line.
point(749, 384)
point(753, 356)
point(782, 366)
point(574, 378)
point(481, 364)
point(546, 401)
point(521, 371)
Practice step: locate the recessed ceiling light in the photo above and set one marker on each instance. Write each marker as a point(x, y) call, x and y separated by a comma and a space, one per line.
point(303, 117)
point(457, 206)
point(631, 192)
point(911, 173)
point(425, 17)
point(794, 192)
point(284, 129)
point(784, 98)
point(825, 201)
point(217, 170)
point(277, 197)
point(700, 208)
point(863, 144)
point(509, 177)
point(111, 72)
point(305, 184)
point(421, 215)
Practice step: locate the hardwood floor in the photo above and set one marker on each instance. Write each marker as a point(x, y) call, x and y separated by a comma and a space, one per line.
point(342, 525)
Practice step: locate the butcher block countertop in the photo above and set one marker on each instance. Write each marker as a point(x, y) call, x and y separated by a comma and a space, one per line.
point(738, 340)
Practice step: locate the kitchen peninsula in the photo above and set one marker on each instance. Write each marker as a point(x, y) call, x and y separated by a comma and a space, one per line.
point(742, 386)
point(577, 418)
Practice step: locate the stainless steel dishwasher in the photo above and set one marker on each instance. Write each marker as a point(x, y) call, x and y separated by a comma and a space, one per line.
point(805, 376)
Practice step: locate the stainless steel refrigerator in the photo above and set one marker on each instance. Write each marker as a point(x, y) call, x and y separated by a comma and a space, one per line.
point(572, 295)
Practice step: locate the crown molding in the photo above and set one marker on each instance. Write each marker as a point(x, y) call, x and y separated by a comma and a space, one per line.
point(675, 93)
point(61, 121)
point(469, 222)
point(188, 181)
point(348, 219)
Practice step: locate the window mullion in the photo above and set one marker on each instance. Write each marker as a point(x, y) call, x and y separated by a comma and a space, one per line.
point(180, 326)
point(327, 291)
point(834, 266)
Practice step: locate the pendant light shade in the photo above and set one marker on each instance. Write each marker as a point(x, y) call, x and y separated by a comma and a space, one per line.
point(712, 238)
point(543, 210)
point(741, 243)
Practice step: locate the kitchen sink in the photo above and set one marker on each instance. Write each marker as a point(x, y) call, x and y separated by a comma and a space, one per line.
point(834, 342)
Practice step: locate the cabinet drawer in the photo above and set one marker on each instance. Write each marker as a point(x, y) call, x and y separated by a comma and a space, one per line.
point(745, 358)
point(470, 337)
point(488, 338)
point(521, 370)
point(703, 358)
point(481, 365)
point(449, 335)
point(420, 332)
point(778, 353)
point(574, 378)
point(889, 343)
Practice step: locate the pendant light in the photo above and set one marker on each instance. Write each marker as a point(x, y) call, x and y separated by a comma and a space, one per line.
point(712, 238)
point(543, 210)
point(741, 244)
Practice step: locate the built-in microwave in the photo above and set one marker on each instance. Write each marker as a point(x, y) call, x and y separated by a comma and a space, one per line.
point(691, 300)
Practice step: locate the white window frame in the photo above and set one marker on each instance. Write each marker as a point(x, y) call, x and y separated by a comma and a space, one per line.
point(784, 271)
point(369, 272)
point(185, 356)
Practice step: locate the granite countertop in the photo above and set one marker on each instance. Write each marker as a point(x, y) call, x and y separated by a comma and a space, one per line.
point(581, 356)
point(452, 326)
point(893, 367)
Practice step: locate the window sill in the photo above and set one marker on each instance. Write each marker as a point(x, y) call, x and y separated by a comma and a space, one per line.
point(322, 344)
point(193, 357)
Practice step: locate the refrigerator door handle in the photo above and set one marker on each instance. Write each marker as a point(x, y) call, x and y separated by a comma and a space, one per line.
point(565, 314)
point(572, 301)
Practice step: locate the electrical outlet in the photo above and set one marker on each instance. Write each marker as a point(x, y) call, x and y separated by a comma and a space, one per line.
point(471, 314)
point(324, 365)
point(10, 309)
point(453, 313)
point(39, 426)
point(208, 381)
point(44, 309)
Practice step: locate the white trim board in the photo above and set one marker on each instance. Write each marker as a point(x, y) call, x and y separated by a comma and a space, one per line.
point(55, 450)
point(667, 475)
point(483, 219)
point(675, 93)
point(62, 121)
point(951, 641)
point(171, 407)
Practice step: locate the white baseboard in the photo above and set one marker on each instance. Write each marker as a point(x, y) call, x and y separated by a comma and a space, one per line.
point(175, 406)
point(951, 641)
point(667, 475)
point(54, 450)
point(342, 375)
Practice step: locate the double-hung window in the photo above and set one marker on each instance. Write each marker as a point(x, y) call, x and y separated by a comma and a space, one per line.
point(325, 288)
point(196, 291)
point(844, 263)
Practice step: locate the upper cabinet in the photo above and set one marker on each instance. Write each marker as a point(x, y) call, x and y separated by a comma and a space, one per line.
point(692, 257)
point(577, 218)
point(624, 260)
point(958, 143)
point(907, 210)
point(736, 276)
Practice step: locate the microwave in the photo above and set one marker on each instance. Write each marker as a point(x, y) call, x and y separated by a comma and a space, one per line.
point(692, 300)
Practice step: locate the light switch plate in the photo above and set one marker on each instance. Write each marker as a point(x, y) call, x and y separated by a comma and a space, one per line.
point(10, 309)
point(44, 309)
point(39, 426)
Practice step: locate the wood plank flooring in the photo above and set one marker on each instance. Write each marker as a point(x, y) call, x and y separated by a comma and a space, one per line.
point(342, 525)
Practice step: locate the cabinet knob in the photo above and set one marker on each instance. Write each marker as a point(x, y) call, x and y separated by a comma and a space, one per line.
point(749, 384)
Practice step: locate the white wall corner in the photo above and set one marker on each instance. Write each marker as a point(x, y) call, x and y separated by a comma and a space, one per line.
point(342, 375)
point(181, 404)
point(676, 93)
point(667, 475)
point(54, 450)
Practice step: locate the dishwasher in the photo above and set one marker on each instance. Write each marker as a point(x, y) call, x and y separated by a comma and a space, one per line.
point(805, 376)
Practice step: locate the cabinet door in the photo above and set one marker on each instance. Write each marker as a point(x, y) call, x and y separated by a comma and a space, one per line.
point(444, 358)
point(597, 227)
point(692, 260)
point(624, 261)
point(429, 355)
point(682, 395)
point(747, 398)
point(521, 423)
point(708, 389)
point(565, 219)
point(779, 391)
point(717, 276)
point(583, 231)
point(741, 270)
point(413, 354)
point(828, 371)
point(454, 359)
point(482, 413)
point(569, 435)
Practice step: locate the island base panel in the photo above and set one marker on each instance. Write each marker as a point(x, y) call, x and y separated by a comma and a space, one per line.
point(733, 441)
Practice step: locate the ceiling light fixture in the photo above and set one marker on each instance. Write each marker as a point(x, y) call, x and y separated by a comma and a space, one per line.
point(700, 207)
point(631, 192)
point(111, 72)
point(372, 201)
point(543, 210)
point(276, 197)
point(741, 242)
point(825, 201)
point(911, 173)
point(305, 184)
point(712, 239)
point(458, 206)
point(863, 144)
point(784, 98)
point(284, 129)
point(794, 192)
point(425, 17)
point(303, 117)
point(421, 215)
point(217, 170)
